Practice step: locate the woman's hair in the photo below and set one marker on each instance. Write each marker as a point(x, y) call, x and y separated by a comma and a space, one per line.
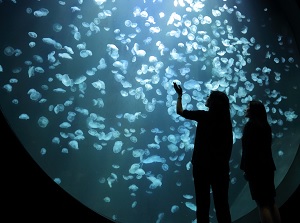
point(257, 110)
point(219, 108)
point(218, 101)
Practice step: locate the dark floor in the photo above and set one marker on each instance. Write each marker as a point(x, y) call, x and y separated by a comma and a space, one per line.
point(34, 198)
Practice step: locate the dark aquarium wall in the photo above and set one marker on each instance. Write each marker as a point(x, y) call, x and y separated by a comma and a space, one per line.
point(87, 88)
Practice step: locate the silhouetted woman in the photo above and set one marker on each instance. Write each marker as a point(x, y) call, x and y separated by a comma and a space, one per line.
point(211, 155)
point(257, 162)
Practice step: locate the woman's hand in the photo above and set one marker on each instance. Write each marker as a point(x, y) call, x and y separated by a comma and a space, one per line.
point(178, 89)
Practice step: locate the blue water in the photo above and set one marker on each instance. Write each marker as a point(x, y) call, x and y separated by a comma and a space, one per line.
point(87, 88)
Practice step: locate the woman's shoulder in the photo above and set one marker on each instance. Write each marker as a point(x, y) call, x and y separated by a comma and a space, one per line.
point(197, 115)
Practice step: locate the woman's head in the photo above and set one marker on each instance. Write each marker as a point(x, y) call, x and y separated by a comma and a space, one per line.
point(256, 110)
point(217, 100)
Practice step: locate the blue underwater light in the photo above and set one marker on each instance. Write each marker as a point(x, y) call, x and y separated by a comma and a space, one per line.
point(87, 87)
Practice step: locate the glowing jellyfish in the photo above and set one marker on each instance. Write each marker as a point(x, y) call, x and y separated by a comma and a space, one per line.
point(133, 187)
point(57, 180)
point(56, 140)
point(150, 107)
point(24, 116)
point(15, 101)
point(41, 12)
point(165, 167)
point(133, 205)
point(85, 53)
point(43, 151)
point(174, 208)
point(34, 94)
point(9, 51)
point(32, 44)
point(65, 150)
point(57, 27)
point(117, 146)
point(8, 87)
point(191, 205)
point(65, 125)
point(17, 52)
point(74, 144)
point(32, 34)
point(29, 10)
point(43, 122)
point(106, 199)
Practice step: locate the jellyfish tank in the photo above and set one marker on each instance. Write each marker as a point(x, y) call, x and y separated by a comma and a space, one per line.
point(87, 88)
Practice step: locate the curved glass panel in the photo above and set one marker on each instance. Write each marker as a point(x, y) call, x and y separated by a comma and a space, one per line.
point(87, 88)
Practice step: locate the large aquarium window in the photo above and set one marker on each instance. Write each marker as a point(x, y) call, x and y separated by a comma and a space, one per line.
point(87, 87)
